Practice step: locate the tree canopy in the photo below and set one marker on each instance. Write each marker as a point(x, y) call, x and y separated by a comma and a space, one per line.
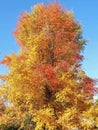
point(46, 88)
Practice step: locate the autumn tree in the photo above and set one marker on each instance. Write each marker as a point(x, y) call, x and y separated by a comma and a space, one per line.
point(45, 88)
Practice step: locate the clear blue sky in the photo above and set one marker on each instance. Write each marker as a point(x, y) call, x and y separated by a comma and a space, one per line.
point(85, 11)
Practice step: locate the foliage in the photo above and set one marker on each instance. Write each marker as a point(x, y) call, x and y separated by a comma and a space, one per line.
point(45, 88)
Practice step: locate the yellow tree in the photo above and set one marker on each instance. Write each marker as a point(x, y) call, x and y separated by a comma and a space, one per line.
point(45, 88)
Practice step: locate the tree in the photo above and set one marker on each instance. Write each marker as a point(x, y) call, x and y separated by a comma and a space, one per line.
point(45, 88)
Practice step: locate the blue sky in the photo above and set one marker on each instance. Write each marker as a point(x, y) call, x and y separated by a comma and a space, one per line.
point(85, 11)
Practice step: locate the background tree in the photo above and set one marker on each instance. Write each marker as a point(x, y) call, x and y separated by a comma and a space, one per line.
point(45, 88)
